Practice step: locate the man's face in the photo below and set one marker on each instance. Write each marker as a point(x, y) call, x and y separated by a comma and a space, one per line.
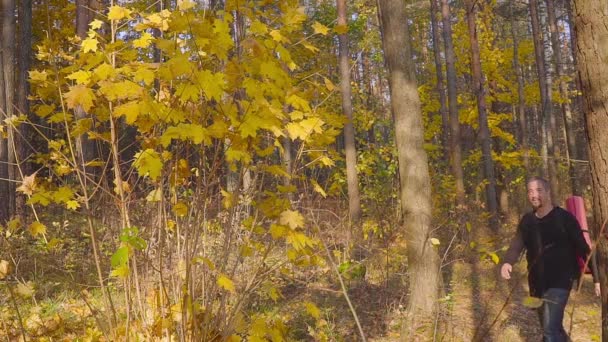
point(537, 194)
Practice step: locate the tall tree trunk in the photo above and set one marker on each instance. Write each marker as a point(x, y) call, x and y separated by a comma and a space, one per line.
point(484, 131)
point(591, 22)
point(8, 61)
point(352, 180)
point(455, 140)
point(545, 94)
point(4, 181)
point(521, 99)
point(415, 192)
point(566, 109)
point(25, 49)
point(85, 148)
point(445, 116)
point(580, 131)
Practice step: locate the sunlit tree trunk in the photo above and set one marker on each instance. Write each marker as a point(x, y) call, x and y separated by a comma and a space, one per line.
point(479, 89)
point(591, 22)
point(445, 119)
point(84, 147)
point(4, 181)
point(548, 120)
point(455, 140)
point(566, 108)
point(8, 61)
point(352, 180)
point(25, 48)
point(580, 130)
point(521, 97)
point(415, 192)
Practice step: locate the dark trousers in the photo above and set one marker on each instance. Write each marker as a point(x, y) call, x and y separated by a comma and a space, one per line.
point(551, 315)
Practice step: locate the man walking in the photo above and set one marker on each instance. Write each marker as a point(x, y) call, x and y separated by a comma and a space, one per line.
point(552, 239)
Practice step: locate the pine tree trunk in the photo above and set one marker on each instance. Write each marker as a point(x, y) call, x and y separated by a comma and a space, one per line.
point(566, 108)
point(415, 192)
point(580, 130)
point(455, 139)
point(548, 121)
point(521, 97)
point(8, 61)
point(352, 180)
point(85, 148)
point(443, 110)
point(484, 131)
point(591, 22)
point(4, 182)
point(25, 49)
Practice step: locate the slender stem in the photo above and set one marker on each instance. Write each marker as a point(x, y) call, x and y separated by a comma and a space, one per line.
point(344, 291)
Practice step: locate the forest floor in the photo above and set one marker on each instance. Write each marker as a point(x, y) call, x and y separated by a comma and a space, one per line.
point(478, 307)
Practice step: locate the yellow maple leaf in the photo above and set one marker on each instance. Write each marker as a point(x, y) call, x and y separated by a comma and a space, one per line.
point(310, 47)
point(103, 71)
point(118, 12)
point(147, 162)
point(225, 283)
point(143, 74)
point(144, 41)
point(89, 44)
point(38, 76)
point(37, 228)
point(63, 194)
point(278, 37)
point(28, 185)
point(277, 231)
point(258, 27)
point(129, 110)
point(96, 24)
point(80, 76)
point(72, 205)
point(320, 28)
point(292, 219)
point(79, 95)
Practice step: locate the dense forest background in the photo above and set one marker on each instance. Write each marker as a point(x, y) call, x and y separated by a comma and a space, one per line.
point(267, 170)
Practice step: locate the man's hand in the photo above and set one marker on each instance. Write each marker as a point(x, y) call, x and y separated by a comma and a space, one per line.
point(598, 292)
point(505, 270)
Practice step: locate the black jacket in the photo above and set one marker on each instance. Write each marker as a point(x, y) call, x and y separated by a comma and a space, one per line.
point(552, 244)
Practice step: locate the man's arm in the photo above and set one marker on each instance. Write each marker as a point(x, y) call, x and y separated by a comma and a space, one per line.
point(512, 255)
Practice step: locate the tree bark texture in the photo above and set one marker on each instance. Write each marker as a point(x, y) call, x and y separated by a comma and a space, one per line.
point(85, 148)
point(415, 192)
point(455, 139)
point(25, 53)
point(8, 61)
point(443, 110)
point(591, 23)
point(521, 97)
point(4, 182)
point(566, 108)
point(479, 90)
point(352, 180)
point(545, 94)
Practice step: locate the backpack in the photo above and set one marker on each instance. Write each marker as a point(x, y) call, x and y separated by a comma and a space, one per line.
point(576, 206)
